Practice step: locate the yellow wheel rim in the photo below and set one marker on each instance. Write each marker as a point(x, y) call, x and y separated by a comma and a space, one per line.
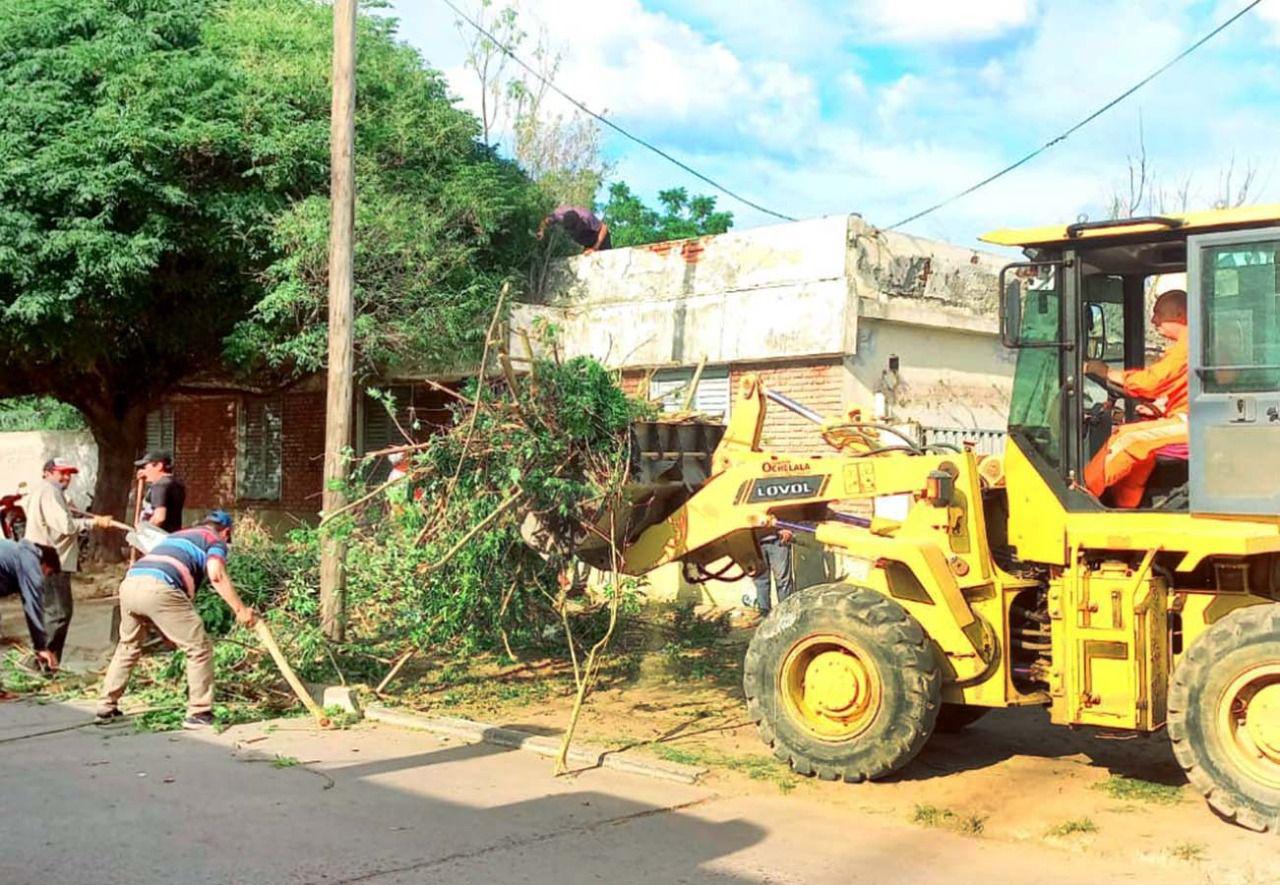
point(1249, 722)
point(830, 687)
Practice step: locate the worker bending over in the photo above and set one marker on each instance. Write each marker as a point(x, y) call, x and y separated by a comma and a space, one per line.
point(160, 588)
point(24, 565)
point(1125, 463)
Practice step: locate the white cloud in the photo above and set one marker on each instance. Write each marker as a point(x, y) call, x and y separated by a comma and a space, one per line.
point(661, 76)
point(1269, 12)
point(902, 94)
point(852, 85)
point(907, 126)
point(938, 21)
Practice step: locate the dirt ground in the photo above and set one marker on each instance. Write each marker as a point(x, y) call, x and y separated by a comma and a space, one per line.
point(1012, 776)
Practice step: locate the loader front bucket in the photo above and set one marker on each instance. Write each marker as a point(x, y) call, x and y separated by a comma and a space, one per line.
point(670, 460)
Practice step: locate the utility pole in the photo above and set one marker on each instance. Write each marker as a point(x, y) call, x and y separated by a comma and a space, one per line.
point(342, 203)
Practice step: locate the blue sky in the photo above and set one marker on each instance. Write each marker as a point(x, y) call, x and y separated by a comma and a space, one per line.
point(883, 107)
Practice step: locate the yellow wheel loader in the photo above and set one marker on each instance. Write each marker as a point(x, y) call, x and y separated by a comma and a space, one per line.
point(953, 591)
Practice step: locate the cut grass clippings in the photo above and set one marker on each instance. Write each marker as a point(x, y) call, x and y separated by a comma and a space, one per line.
point(1132, 789)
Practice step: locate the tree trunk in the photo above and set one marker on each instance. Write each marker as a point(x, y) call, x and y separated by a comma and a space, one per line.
point(121, 435)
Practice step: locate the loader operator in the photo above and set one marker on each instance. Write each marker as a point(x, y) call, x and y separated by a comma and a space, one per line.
point(1125, 463)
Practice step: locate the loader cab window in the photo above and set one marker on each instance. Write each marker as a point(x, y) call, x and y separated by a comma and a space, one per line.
point(1035, 409)
point(1103, 328)
point(1241, 316)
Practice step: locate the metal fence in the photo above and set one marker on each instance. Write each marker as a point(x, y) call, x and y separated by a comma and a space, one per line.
point(983, 442)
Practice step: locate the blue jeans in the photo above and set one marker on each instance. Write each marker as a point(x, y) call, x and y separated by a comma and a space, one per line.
point(778, 557)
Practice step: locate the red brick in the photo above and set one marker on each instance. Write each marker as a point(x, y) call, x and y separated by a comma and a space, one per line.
point(205, 446)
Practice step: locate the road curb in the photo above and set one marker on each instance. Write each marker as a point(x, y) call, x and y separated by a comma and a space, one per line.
point(579, 756)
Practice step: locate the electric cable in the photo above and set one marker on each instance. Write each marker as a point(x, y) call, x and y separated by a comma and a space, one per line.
point(509, 53)
point(1087, 120)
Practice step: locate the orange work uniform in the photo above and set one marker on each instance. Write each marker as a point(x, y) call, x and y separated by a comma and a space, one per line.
point(1125, 463)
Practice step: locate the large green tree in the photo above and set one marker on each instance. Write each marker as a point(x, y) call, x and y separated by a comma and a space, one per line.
point(632, 223)
point(163, 204)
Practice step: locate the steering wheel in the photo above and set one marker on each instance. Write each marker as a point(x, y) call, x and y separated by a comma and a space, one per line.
point(1116, 392)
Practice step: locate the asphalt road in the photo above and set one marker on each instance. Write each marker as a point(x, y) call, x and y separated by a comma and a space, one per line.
point(378, 805)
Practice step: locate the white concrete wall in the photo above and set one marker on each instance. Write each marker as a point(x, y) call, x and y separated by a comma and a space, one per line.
point(780, 292)
point(737, 297)
point(23, 453)
point(948, 375)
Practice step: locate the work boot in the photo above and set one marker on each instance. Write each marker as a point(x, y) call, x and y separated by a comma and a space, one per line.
point(198, 721)
point(106, 717)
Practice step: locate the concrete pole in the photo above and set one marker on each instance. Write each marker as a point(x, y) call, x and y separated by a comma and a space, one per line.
point(342, 199)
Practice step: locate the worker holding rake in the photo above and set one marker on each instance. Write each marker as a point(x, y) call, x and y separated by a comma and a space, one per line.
point(160, 589)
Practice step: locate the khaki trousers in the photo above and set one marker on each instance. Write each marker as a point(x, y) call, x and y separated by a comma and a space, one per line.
point(149, 600)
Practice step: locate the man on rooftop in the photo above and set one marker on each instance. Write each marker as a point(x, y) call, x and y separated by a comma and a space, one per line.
point(580, 225)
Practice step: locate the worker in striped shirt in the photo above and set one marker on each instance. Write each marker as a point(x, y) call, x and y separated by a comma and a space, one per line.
point(160, 588)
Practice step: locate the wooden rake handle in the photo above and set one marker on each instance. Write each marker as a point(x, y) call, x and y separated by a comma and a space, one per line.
point(269, 643)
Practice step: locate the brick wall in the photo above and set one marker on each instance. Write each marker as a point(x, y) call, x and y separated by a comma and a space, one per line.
point(631, 379)
point(205, 447)
point(302, 449)
point(205, 450)
point(817, 384)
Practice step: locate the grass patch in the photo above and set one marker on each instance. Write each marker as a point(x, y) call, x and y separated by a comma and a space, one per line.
point(1072, 827)
point(340, 717)
point(284, 761)
point(965, 823)
point(1188, 851)
point(758, 768)
point(932, 816)
point(1132, 789)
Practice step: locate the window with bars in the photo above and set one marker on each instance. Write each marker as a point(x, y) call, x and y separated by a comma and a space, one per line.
point(711, 397)
point(259, 455)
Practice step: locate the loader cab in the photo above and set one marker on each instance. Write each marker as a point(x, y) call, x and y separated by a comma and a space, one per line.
point(1085, 292)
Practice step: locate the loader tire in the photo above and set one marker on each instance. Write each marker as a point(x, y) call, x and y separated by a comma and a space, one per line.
point(954, 718)
point(1224, 716)
point(842, 683)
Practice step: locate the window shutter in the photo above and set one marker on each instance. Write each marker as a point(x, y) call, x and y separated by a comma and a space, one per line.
point(258, 451)
point(379, 431)
point(712, 397)
point(160, 434)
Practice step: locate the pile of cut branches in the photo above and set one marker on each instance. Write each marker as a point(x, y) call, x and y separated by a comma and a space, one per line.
point(435, 559)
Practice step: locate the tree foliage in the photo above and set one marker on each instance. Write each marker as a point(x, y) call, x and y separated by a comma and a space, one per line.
point(561, 151)
point(38, 413)
point(438, 563)
point(632, 223)
point(163, 182)
point(441, 221)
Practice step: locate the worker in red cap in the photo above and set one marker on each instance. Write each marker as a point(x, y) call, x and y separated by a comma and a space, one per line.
point(50, 522)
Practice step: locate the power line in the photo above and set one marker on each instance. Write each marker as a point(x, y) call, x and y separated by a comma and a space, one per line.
point(1087, 120)
point(607, 122)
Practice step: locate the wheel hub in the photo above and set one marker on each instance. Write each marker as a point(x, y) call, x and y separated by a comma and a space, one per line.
point(829, 687)
point(836, 683)
point(1249, 720)
point(1263, 721)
